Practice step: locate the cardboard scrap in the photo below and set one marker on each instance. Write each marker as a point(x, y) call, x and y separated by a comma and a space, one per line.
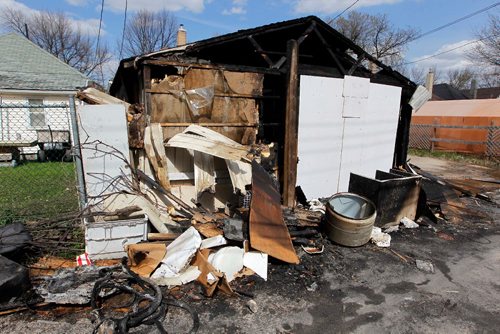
point(210, 278)
point(145, 257)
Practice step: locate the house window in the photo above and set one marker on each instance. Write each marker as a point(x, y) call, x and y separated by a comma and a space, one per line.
point(37, 115)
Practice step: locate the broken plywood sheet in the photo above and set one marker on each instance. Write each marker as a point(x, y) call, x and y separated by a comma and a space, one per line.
point(268, 232)
point(208, 141)
point(169, 107)
point(242, 83)
point(233, 101)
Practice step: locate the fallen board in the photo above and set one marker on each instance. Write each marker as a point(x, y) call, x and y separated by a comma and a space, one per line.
point(268, 232)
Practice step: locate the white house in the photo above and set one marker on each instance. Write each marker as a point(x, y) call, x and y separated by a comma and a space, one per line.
point(30, 76)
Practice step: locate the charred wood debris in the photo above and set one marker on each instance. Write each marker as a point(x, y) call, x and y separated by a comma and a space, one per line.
point(194, 243)
point(188, 241)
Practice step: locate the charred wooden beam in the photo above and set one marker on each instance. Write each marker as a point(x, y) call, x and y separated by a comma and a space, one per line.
point(356, 65)
point(236, 96)
point(291, 125)
point(278, 53)
point(330, 51)
point(146, 79)
point(259, 50)
point(234, 68)
point(213, 125)
point(323, 71)
point(302, 38)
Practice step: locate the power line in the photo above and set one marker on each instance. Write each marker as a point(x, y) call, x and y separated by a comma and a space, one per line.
point(456, 21)
point(345, 10)
point(99, 31)
point(453, 49)
point(124, 26)
point(98, 40)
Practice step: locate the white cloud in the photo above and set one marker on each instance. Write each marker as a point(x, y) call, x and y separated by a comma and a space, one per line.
point(234, 11)
point(195, 6)
point(238, 8)
point(88, 26)
point(17, 5)
point(332, 6)
point(78, 3)
point(454, 58)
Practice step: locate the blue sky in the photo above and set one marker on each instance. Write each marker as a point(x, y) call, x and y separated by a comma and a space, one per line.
point(207, 18)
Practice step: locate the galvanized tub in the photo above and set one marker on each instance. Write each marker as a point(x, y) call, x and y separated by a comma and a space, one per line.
point(350, 219)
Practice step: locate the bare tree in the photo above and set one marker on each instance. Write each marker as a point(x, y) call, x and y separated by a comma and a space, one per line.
point(149, 31)
point(487, 50)
point(417, 74)
point(488, 79)
point(55, 33)
point(376, 35)
point(460, 78)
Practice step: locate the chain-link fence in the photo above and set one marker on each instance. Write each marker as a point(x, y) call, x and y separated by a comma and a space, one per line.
point(37, 170)
point(474, 139)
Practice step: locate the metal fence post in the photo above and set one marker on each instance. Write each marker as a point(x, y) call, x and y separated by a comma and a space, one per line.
point(82, 194)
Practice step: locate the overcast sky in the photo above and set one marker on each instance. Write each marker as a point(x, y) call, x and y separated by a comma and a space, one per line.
point(207, 18)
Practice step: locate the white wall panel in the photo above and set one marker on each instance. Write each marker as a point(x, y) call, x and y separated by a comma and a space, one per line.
point(332, 145)
point(105, 123)
point(320, 135)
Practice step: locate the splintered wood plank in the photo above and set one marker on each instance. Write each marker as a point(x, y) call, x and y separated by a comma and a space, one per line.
point(268, 232)
point(159, 148)
point(206, 145)
point(153, 145)
point(204, 173)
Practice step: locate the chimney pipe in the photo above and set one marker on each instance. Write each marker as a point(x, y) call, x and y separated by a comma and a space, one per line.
point(473, 89)
point(181, 36)
point(429, 82)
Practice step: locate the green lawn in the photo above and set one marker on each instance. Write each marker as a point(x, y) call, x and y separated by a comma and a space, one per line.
point(37, 190)
point(455, 156)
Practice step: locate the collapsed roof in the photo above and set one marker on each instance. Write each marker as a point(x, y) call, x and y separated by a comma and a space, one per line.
point(265, 48)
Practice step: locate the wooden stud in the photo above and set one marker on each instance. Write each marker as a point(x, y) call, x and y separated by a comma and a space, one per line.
point(291, 125)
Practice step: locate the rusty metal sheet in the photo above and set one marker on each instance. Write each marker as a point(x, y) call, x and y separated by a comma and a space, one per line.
point(268, 232)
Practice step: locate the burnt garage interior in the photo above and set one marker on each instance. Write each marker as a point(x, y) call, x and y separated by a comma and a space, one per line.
point(245, 85)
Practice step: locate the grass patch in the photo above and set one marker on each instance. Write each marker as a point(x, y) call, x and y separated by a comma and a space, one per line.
point(37, 190)
point(455, 156)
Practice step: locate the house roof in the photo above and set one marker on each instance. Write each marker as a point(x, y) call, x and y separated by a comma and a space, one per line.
point(260, 46)
point(445, 91)
point(485, 93)
point(461, 108)
point(26, 66)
